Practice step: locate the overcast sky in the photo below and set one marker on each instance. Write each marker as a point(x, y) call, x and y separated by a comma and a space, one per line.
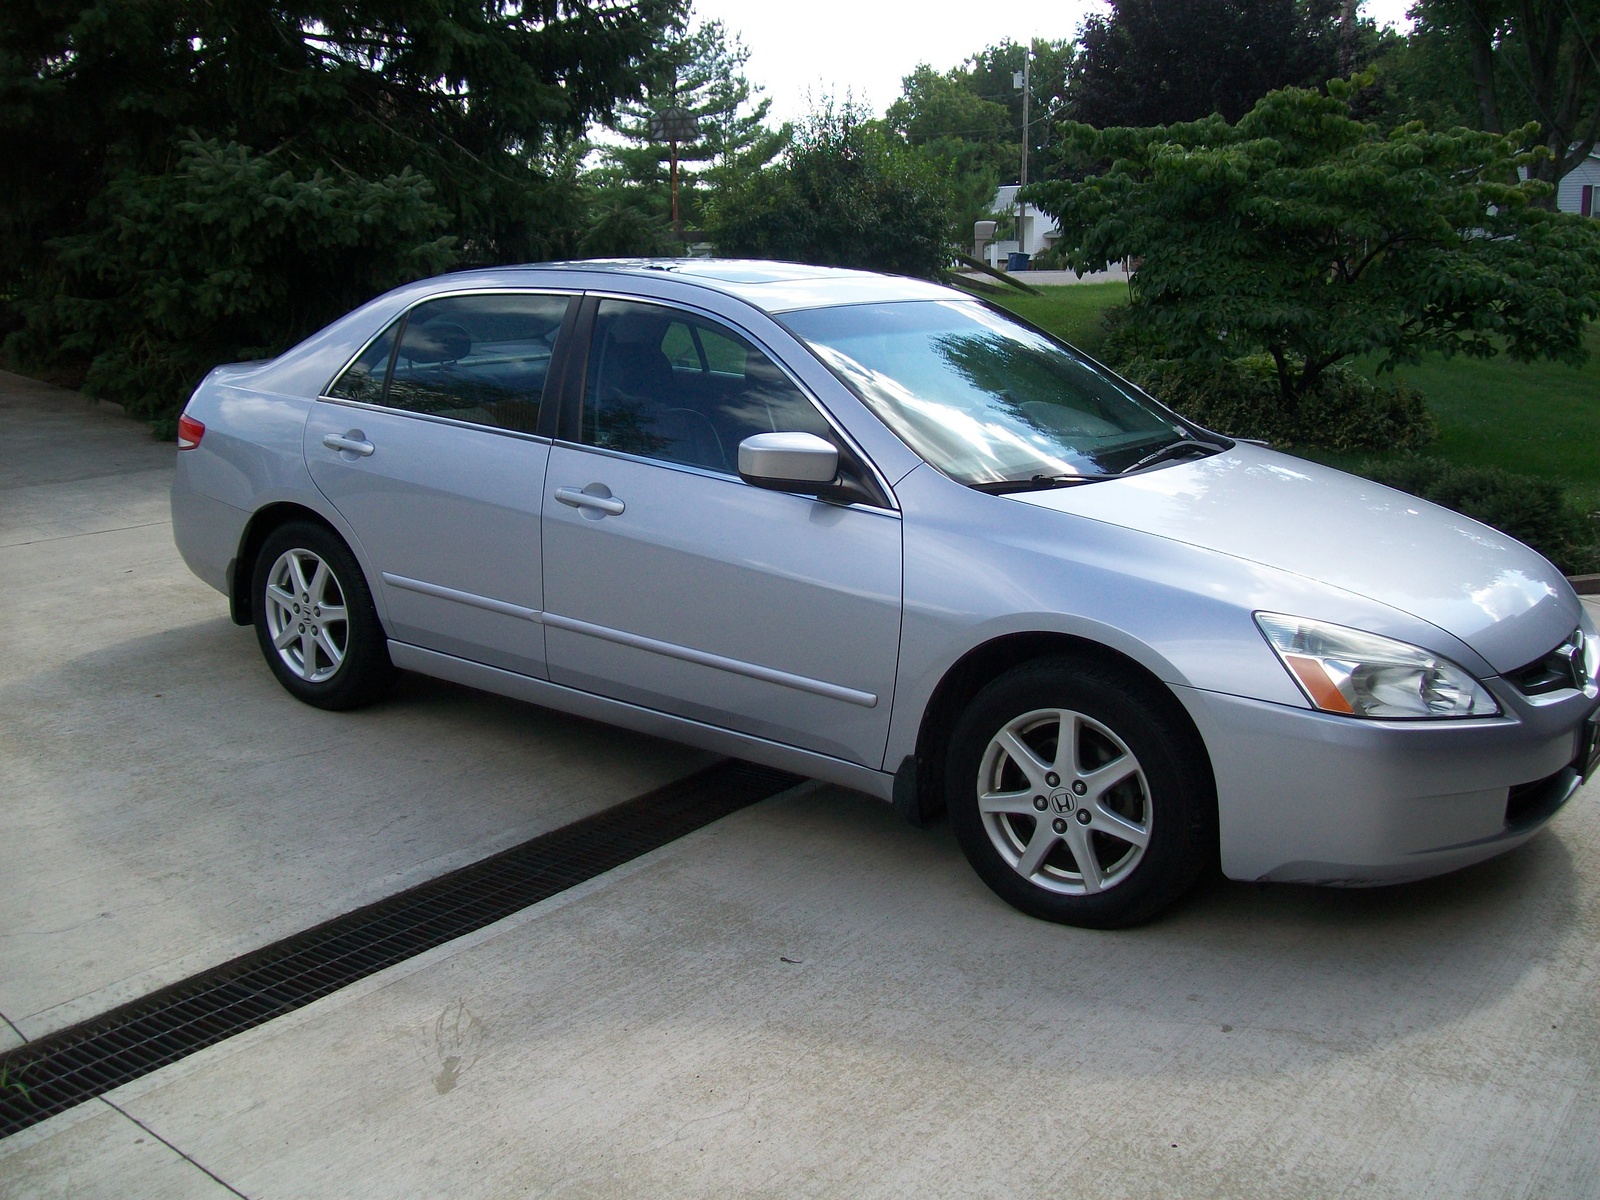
point(867, 46)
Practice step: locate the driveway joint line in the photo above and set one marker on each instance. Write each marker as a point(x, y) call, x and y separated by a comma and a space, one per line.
point(13, 1026)
point(199, 1166)
point(67, 537)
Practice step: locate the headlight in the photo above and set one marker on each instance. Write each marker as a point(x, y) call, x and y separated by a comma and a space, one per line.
point(1363, 675)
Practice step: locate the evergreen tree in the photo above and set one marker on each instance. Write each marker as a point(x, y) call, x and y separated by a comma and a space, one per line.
point(189, 183)
point(702, 72)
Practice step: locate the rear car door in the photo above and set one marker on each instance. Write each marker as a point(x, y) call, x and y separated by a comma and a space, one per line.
point(672, 584)
point(430, 445)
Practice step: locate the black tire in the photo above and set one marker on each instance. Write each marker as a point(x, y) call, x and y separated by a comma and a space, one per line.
point(1128, 733)
point(361, 672)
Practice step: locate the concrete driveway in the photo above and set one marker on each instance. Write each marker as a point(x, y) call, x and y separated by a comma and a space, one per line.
point(806, 998)
point(167, 805)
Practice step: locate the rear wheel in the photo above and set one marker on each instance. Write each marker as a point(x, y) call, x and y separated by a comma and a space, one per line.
point(1077, 796)
point(315, 619)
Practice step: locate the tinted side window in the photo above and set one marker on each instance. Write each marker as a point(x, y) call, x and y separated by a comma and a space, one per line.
point(670, 385)
point(483, 359)
point(364, 379)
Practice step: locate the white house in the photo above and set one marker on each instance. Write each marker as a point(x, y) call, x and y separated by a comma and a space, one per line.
point(1579, 190)
point(1039, 229)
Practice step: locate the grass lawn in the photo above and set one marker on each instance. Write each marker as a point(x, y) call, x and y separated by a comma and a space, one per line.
point(1540, 419)
point(1071, 313)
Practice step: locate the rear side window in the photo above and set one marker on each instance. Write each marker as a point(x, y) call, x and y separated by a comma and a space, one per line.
point(483, 359)
point(670, 385)
point(363, 379)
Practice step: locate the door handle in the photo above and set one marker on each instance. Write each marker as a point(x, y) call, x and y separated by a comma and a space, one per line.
point(600, 499)
point(352, 441)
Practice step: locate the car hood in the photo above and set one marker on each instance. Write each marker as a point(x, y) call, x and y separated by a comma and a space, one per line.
point(1487, 589)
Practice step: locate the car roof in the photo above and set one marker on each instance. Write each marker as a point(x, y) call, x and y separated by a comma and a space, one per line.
point(773, 287)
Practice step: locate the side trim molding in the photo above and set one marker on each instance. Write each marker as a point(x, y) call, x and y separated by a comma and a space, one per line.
point(734, 666)
point(470, 598)
point(644, 720)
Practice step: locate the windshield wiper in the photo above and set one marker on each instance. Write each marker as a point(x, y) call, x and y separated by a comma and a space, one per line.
point(1037, 483)
point(1181, 446)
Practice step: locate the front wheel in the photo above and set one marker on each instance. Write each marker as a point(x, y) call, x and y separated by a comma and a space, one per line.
point(1078, 796)
point(315, 619)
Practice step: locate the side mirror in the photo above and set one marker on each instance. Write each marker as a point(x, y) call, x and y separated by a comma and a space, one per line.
point(789, 462)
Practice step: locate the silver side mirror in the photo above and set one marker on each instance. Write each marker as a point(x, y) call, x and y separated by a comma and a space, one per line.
point(788, 462)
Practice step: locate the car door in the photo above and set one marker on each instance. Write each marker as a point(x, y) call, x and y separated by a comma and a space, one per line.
point(429, 445)
point(672, 584)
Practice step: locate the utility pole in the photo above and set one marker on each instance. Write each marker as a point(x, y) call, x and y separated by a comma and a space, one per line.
point(674, 125)
point(1023, 79)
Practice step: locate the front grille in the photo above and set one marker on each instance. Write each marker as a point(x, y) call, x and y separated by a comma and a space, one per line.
point(1561, 669)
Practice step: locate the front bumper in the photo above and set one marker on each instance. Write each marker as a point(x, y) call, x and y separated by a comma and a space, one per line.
point(1309, 797)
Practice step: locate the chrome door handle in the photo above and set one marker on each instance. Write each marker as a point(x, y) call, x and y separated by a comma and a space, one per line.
point(352, 442)
point(586, 499)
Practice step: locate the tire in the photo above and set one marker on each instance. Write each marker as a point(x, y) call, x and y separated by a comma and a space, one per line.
point(1135, 801)
point(315, 620)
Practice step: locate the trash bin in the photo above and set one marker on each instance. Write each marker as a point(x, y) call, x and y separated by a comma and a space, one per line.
point(1016, 261)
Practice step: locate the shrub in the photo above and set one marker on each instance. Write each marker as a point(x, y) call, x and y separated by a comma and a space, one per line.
point(849, 194)
point(1344, 411)
point(1531, 510)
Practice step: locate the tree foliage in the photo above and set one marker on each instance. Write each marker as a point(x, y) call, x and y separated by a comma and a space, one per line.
point(1528, 60)
point(850, 193)
point(990, 73)
point(1305, 234)
point(967, 140)
point(967, 122)
point(193, 182)
point(703, 72)
point(1157, 62)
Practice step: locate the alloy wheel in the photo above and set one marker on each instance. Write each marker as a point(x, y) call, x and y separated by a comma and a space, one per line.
point(1064, 801)
point(307, 619)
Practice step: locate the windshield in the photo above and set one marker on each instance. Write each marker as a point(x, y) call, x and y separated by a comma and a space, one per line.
point(984, 399)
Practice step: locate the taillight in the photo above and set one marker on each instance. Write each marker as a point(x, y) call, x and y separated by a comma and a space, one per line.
point(190, 432)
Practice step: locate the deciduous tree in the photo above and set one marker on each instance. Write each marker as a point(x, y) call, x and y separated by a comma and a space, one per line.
point(1305, 234)
point(1156, 62)
point(850, 193)
point(1528, 60)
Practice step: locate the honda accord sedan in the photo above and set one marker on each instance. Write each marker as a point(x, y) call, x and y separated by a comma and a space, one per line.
point(874, 531)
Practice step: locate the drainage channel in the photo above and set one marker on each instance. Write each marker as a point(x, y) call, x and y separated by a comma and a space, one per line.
point(63, 1069)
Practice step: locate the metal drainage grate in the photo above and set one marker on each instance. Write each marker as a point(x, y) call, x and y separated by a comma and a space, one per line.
point(50, 1075)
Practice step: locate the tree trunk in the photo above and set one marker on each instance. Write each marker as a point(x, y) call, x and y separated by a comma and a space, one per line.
point(1480, 26)
point(1288, 393)
point(1349, 37)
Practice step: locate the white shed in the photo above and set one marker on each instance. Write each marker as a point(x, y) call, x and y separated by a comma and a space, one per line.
point(1579, 190)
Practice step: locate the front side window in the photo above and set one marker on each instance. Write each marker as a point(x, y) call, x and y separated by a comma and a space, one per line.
point(482, 359)
point(670, 385)
point(985, 400)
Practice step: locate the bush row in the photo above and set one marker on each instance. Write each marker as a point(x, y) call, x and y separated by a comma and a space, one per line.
point(1346, 412)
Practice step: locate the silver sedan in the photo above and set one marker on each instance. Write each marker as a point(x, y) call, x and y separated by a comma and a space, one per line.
point(874, 531)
